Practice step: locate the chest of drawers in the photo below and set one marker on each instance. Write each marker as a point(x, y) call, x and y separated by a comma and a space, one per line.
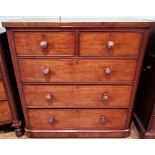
point(77, 79)
point(8, 98)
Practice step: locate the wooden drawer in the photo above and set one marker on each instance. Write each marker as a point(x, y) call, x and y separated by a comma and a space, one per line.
point(5, 114)
point(45, 43)
point(77, 119)
point(32, 70)
point(110, 43)
point(2, 91)
point(77, 96)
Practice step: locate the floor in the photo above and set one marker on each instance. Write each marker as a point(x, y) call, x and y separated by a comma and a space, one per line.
point(11, 135)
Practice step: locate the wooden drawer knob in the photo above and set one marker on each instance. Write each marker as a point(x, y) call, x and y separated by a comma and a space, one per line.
point(147, 68)
point(43, 44)
point(110, 44)
point(105, 97)
point(51, 120)
point(46, 71)
point(107, 70)
point(48, 97)
point(102, 119)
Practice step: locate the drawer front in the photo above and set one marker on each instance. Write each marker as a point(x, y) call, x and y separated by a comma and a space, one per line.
point(5, 114)
point(32, 70)
point(77, 119)
point(110, 43)
point(78, 96)
point(2, 91)
point(45, 43)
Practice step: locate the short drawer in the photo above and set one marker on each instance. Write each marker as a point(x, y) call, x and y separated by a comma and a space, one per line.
point(77, 96)
point(45, 43)
point(5, 114)
point(73, 70)
point(48, 119)
point(110, 43)
point(2, 91)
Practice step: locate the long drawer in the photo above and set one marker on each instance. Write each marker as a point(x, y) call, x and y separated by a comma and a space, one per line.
point(45, 43)
point(5, 114)
point(74, 70)
point(110, 43)
point(77, 96)
point(77, 119)
point(2, 91)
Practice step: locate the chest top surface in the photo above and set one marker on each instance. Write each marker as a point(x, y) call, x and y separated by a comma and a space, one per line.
point(78, 22)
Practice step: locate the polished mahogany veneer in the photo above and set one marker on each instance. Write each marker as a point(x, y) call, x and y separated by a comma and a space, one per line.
point(73, 70)
point(2, 91)
point(110, 43)
point(77, 79)
point(75, 119)
point(77, 96)
point(5, 113)
point(45, 43)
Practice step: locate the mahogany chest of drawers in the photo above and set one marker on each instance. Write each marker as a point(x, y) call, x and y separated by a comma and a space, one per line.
point(8, 99)
point(77, 79)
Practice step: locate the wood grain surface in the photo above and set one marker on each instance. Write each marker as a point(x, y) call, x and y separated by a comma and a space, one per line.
point(77, 119)
point(5, 113)
point(96, 43)
point(76, 70)
point(58, 43)
point(2, 91)
point(77, 96)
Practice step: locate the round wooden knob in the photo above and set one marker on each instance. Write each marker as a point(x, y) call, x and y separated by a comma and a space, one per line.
point(43, 44)
point(51, 120)
point(107, 70)
point(102, 119)
point(49, 97)
point(148, 67)
point(46, 71)
point(110, 44)
point(105, 97)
